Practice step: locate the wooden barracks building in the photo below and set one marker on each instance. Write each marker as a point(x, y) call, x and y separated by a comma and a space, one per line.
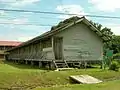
point(6, 45)
point(72, 40)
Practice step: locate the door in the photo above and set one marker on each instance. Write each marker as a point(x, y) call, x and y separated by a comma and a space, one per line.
point(58, 48)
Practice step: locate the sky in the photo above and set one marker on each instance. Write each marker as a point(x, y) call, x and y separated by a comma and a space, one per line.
point(14, 31)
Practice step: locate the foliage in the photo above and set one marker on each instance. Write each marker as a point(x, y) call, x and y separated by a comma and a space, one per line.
point(66, 21)
point(114, 65)
point(116, 44)
point(116, 56)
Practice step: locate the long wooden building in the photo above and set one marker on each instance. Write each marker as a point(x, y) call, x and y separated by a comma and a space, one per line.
point(72, 40)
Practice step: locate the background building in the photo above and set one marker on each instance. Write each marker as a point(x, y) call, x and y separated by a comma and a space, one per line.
point(6, 45)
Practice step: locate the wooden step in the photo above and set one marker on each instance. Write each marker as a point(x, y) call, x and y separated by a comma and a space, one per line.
point(60, 64)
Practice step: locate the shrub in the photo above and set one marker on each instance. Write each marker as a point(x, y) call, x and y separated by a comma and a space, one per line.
point(116, 56)
point(114, 66)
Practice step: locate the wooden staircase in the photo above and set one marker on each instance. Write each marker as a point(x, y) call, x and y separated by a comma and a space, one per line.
point(61, 64)
point(77, 64)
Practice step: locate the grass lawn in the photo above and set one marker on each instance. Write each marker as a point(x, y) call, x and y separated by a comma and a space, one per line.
point(28, 77)
point(111, 85)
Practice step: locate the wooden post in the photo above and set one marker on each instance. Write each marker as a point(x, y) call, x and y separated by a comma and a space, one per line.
point(14, 61)
point(4, 52)
point(80, 64)
point(32, 63)
point(85, 65)
point(53, 47)
point(26, 62)
point(40, 64)
point(52, 65)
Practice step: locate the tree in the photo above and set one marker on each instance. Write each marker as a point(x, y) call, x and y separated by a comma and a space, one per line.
point(97, 25)
point(116, 44)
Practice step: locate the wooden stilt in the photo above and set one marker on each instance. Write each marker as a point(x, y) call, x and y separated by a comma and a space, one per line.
point(40, 64)
point(15, 61)
point(26, 62)
point(32, 63)
point(80, 64)
point(85, 65)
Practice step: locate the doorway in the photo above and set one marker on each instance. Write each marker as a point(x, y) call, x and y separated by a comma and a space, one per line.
point(58, 48)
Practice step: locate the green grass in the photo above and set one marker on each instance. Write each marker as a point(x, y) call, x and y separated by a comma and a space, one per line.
point(26, 76)
point(111, 85)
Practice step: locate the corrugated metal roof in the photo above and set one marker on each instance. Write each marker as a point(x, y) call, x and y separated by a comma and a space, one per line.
point(9, 43)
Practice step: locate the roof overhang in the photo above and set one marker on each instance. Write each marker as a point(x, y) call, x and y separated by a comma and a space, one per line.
point(59, 29)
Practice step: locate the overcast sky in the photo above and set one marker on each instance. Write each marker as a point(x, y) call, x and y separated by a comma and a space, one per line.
point(26, 32)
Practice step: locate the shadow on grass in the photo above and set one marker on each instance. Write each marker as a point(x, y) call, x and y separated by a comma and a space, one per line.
point(23, 66)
